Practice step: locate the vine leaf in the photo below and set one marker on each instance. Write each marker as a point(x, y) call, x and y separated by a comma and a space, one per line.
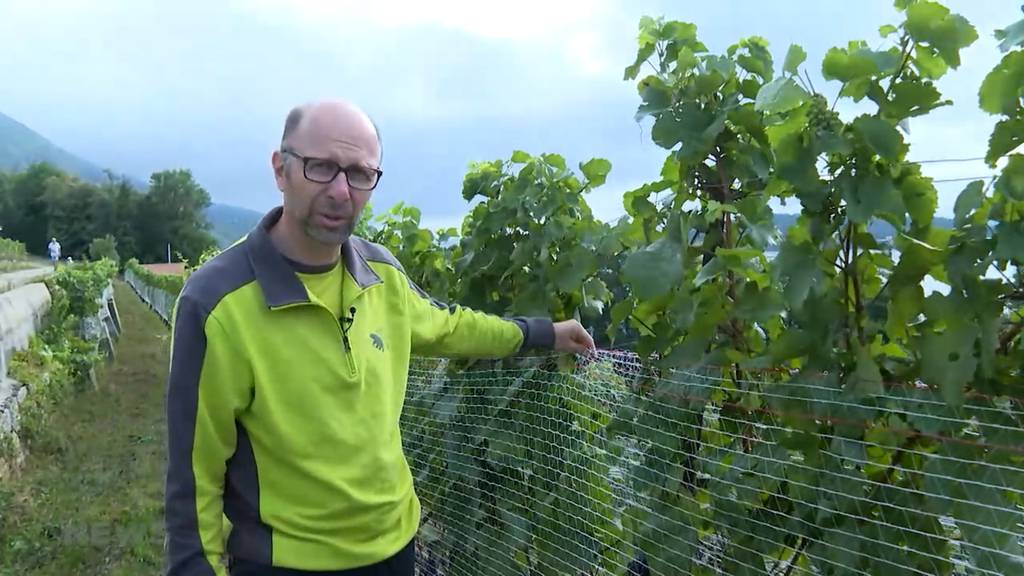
point(780, 95)
point(653, 270)
point(947, 33)
point(795, 56)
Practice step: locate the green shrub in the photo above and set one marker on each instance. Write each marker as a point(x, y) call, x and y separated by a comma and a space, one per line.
point(105, 247)
point(11, 249)
point(83, 283)
point(48, 379)
point(168, 283)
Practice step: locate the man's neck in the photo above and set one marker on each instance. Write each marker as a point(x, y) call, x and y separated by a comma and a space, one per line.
point(293, 243)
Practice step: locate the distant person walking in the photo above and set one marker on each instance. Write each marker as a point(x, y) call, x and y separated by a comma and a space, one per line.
point(54, 249)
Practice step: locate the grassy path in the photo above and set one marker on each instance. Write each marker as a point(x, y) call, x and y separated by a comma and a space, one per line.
point(90, 497)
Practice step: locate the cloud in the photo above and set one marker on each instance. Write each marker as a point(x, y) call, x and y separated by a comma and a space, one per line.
point(522, 20)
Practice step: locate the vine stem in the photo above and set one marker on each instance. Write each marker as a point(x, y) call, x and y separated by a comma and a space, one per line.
point(796, 556)
point(858, 301)
point(642, 323)
point(846, 282)
point(905, 47)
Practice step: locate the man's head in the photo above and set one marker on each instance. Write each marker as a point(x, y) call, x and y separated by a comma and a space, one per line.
point(318, 140)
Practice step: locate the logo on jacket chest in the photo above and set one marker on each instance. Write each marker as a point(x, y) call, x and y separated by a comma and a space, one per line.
point(377, 341)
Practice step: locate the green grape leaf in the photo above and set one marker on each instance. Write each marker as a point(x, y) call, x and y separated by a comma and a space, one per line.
point(620, 311)
point(947, 358)
point(933, 24)
point(758, 305)
point(905, 305)
point(1001, 90)
point(654, 270)
point(1012, 35)
point(797, 267)
point(780, 95)
point(596, 294)
point(929, 63)
point(866, 380)
point(690, 124)
point(520, 157)
point(795, 56)
point(886, 30)
point(1011, 181)
point(647, 47)
point(993, 519)
point(668, 540)
point(916, 259)
point(710, 270)
point(596, 171)
point(967, 202)
point(757, 60)
point(1010, 241)
point(920, 198)
point(556, 161)
point(1007, 135)
point(858, 63)
point(657, 97)
point(911, 98)
point(880, 136)
point(871, 195)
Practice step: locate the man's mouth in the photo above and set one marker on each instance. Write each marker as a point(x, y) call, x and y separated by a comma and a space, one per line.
point(332, 219)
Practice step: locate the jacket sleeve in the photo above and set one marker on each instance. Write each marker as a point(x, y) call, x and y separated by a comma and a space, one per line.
point(208, 386)
point(443, 330)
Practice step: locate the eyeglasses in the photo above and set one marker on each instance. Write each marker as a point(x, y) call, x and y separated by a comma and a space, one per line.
point(323, 171)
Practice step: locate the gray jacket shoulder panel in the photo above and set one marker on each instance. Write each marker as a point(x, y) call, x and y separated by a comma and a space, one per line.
point(218, 277)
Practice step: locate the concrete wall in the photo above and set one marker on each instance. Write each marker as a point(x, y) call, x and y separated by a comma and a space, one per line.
point(22, 309)
point(21, 313)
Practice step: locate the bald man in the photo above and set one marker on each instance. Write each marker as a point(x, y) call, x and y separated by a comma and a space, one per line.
point(289, 362)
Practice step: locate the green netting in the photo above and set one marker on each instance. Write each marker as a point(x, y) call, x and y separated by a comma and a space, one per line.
point(160, 301)
point(612, 467)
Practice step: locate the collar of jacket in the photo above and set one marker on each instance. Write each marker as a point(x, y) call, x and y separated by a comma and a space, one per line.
point(276, 277)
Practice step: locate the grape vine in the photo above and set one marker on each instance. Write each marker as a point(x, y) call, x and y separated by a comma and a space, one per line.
point(703, 281)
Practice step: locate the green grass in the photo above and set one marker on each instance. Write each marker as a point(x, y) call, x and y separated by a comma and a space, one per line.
point(89, 499)
point(15, 265)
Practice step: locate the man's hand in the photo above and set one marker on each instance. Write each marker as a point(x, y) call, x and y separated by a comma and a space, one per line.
point(570, 336)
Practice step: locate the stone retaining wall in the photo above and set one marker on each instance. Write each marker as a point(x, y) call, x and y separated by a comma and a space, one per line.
point(22, 309)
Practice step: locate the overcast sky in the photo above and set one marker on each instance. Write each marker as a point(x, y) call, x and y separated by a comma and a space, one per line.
point(139, 86)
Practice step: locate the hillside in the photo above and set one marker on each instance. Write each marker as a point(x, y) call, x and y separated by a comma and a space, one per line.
point(231, 222)
point(20, 146)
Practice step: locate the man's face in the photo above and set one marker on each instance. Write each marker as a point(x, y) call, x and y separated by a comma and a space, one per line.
point(327, 210)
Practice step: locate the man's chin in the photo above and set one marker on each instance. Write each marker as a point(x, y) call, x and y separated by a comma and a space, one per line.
point(329, 236)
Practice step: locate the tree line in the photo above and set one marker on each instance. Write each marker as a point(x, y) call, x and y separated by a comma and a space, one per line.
point(113, 219)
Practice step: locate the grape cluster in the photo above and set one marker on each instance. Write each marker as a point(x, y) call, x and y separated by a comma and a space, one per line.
point(819, 117)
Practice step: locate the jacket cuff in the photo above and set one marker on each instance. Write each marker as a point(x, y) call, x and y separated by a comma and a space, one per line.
point(538, 333)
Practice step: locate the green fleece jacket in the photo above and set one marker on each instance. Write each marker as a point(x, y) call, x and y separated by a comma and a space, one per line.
point(285, 418)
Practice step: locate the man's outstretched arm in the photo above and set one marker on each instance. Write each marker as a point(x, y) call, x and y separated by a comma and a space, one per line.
point(454, 330)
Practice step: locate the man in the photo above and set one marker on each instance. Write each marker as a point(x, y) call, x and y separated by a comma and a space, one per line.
point(288, 372)
point(54, 250)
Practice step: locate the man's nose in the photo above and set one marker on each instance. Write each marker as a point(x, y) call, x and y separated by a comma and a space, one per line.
point(338, 190)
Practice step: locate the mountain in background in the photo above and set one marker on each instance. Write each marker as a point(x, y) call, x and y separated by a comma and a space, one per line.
point(20, 146)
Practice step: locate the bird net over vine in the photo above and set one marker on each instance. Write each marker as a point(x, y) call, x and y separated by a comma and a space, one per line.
point(610, 466)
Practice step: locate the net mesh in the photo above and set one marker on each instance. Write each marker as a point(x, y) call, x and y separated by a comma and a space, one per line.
point(158, 300)
point(606, 465)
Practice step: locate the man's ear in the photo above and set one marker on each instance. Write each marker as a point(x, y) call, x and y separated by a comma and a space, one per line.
point(277, 163)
